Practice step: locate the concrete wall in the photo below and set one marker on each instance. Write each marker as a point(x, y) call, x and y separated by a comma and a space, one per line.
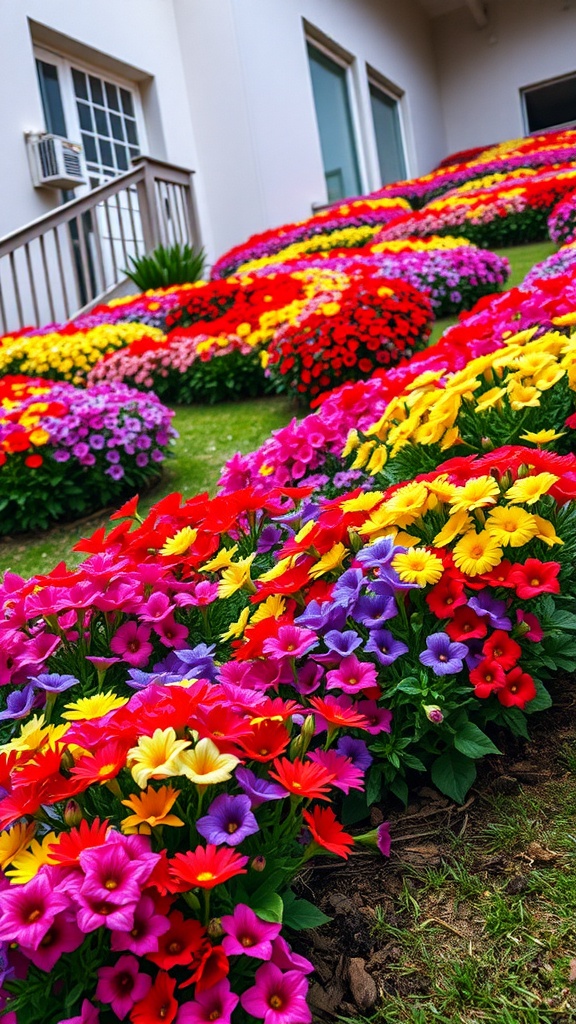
point(481, 71)
point(252, 105)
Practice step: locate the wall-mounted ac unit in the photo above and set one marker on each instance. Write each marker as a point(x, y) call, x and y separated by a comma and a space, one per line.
point(55, 162)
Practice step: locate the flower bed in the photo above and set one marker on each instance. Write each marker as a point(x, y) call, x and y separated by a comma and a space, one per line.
point(562, 220)
point(559, 264)
point(509, 212)
point(354, 213)
point(65, 452)
point(452, 272)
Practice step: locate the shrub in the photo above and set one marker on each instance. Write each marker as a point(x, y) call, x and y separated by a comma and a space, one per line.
point(166, 266)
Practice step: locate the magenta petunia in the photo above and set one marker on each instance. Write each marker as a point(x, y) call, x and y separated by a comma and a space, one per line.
point(122, 985)
point(247, 933)
point(27, 912)
point(131, 643)
point(290, 642)
point(214, 1006)
point(143, 935)
point(277, 997)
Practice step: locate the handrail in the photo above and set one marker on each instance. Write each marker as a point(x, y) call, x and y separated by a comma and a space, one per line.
point(81, 247)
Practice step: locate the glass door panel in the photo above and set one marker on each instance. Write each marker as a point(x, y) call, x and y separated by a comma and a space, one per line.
point(332, 103)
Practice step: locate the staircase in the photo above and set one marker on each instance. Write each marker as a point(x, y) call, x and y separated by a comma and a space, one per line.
point(73, 258)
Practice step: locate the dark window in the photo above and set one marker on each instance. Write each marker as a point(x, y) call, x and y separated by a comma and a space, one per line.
point(51, 98)
point(330, 90)
point(551, 105)
point(388, 136)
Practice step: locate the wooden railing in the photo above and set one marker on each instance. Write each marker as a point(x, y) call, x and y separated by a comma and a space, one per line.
point(74, 257)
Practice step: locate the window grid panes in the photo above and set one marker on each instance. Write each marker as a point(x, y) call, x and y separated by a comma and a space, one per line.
point(108, 124)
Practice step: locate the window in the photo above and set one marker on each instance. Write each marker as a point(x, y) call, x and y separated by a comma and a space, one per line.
point(386, 117)
point(337, 142)
point(550, 105)
point(103, 114)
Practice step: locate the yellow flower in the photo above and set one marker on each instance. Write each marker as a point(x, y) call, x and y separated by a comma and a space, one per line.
point(151, 810)
point(97, 706)
point(27, 863)
point(352, 442)
point(222, 560)
point(457, 524)
point(277, 570)
point(476, 493)
point(180, 542)
point(236, 629)
point(363, 454)
point(13, 841)
point(364, 502)
point(546, 532)
point(406, 505)
point(530, 488)
point(156, 757)
point(512, 525)
point(237, 577)
point(541, 437)
point(418, 566)
point(489, 399)
point(522, 397)
point(333, 559)
point(549, 377)
point(377, 460)
point(272, 608)
point(206, 766)
point(441, 489)
point(476, 553)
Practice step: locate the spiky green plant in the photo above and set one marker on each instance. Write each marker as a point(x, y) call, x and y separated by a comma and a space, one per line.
point(167, 265)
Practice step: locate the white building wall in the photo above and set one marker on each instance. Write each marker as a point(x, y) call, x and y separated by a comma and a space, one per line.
point(252, 106)
point(481, 71)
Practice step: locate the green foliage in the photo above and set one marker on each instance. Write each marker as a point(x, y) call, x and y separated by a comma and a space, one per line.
point(167, 265)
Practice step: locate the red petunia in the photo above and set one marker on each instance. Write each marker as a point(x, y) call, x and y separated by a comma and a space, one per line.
point(266, 741)
point(304, 779)
point(487, 677)
point(535, 577)
point(207, 867)
point(466, 625)
point(446, 597)
point(211, 965)
point(502, 648)
point(519, 688)
point(180, 944)
point(159, 1005)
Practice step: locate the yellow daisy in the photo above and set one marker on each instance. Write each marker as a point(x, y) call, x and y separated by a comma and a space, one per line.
point(180, 542)
point(27, 863)
point(272, 608)
point(13, 841)
point(530, 488)
point(151, 810)
point(330, 561)
point(236, 629)
point(97, 706)
point(476, 553)
point(512, 525)
point(546, 532)
point(418, 566)
point(222, 560)
point(237, 577)
point(459, 523)
point(541, 437)
point(476, 493)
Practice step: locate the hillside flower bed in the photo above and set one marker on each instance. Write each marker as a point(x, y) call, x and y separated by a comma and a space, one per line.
point(65, 451)
point(353, 213)
point(558, 264)
point(510, 212)
point(451, 272)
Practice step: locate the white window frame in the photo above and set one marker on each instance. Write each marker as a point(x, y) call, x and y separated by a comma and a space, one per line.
point(348, 63)
point(394, 92)
point(65, 64)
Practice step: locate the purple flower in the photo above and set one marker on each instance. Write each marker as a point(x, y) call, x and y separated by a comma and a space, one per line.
point(372, 610)
point(53, 682)
point(258, 790)
point(322, 616)
point(486, 605)
point(342, 643)
point(268, 539)
point(352, 676)
point(356, 750)
point(383, 838)
point(442, 655)
point(246, 933)
point(229, 820)
point(385, 646)
point(378, 554)
point(18, 703)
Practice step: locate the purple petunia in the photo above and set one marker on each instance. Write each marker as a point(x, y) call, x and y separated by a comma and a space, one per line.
point(442, 655)
point(229, 820)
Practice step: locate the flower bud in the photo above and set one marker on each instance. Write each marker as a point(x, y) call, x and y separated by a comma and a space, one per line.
point(300, 743)
point(72, 814)
point(433, 713)
point(215, 929)
point(258, 862)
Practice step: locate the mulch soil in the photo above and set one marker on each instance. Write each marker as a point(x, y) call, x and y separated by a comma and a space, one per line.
point(356, 962)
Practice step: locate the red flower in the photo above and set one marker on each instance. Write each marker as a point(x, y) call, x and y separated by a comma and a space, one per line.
point(487, 677)
point(71, 844)
point(303, 778)
point(518, 689)
point(466, 625)
point(535, 577)
point(446, 597)
point(207, 867)
point(179, 945)
point(327, 831)
point(266, 741)
point(210, 966)
point(502, 648)
point(159, 1006)
point(33, 461)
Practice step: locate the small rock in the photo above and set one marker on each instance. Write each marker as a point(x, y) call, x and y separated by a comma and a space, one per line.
point(325, 999)
point(362, 986)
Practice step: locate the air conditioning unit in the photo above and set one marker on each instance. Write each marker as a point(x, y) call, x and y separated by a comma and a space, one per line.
point(55, 162)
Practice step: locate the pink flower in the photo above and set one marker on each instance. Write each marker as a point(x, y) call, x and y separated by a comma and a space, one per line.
point(171, 633)
point(131, 643)
point(277, 997)
point(214, 1006)
point(379, 718)
point(143, 935)
point(346, 775)
point(156, 608)
point(291, 642)
point(247, 933)
point(287, 960)
point(352, 675)
point(63, 936)
point(27, 912)
point(121, 986)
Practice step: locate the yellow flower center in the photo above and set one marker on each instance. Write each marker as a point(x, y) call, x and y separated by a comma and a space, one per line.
point(205, 876)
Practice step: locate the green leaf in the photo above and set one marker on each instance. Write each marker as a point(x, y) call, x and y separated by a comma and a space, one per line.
point(374, 786)
point(399, 787)
point(514, 720)
point(453, 774)
point(301, 914)
point(471, 741)
point(541, 701)
point(272, 909)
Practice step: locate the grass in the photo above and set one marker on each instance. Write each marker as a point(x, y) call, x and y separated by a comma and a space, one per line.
point(209, 435)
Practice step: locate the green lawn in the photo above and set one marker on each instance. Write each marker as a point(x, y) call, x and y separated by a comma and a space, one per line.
point(209, 435)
